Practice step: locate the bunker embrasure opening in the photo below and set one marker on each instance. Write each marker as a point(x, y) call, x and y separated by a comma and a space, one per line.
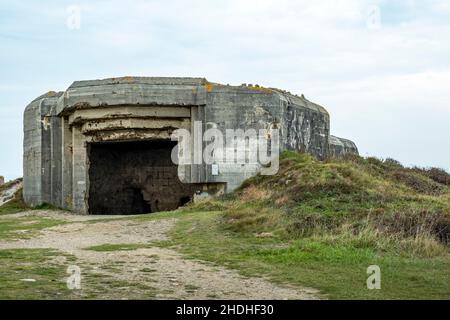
point(134, 178)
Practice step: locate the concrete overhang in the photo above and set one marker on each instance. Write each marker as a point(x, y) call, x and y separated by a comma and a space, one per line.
point(144, 91)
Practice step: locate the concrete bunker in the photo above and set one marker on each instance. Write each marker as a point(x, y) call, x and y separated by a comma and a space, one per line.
point(134, 177)
point(103, 146)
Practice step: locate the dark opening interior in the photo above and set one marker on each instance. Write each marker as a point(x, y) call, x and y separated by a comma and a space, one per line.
point(134, 178)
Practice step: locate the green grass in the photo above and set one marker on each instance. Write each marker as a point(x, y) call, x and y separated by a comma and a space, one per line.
point(320, 224)
point(25, 227)
point(337, 270)
point(340, 198)
point(100, 286)
point(50, 277)
point(316, 224)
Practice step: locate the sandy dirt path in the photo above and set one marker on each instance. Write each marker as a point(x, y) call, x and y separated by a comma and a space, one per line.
point(152, 272)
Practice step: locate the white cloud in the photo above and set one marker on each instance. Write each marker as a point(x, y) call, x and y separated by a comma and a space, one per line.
point(366, 78)
point(441, 6)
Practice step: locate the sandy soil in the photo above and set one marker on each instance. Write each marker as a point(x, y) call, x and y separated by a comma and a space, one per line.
point(153, 272)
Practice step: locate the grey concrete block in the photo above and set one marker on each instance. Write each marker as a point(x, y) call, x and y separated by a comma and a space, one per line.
point(59, 129)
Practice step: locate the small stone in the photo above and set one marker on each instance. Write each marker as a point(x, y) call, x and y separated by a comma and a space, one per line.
point(264, 235)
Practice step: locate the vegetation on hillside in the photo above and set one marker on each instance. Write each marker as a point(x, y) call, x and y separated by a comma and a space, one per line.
point(363, 201)
point(320, 224)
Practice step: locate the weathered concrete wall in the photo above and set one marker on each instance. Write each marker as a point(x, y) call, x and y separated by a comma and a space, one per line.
point(32, 154)
point(39, 150)
point(340, 147)
point(56, 159)
point(304, 125)
point(244, 108)
point(59, 128)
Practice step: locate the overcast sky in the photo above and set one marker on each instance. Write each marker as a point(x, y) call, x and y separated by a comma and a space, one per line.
point(381, 68)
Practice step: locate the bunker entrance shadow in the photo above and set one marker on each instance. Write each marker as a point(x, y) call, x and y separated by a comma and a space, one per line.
point(134, 178)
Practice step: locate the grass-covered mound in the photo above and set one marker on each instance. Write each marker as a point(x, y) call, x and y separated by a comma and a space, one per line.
point(321, 224)
point(365, 202)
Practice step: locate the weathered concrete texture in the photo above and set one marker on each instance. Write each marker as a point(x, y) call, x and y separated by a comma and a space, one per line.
point(62, 128)
point(340, 147)
point(41, 149)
